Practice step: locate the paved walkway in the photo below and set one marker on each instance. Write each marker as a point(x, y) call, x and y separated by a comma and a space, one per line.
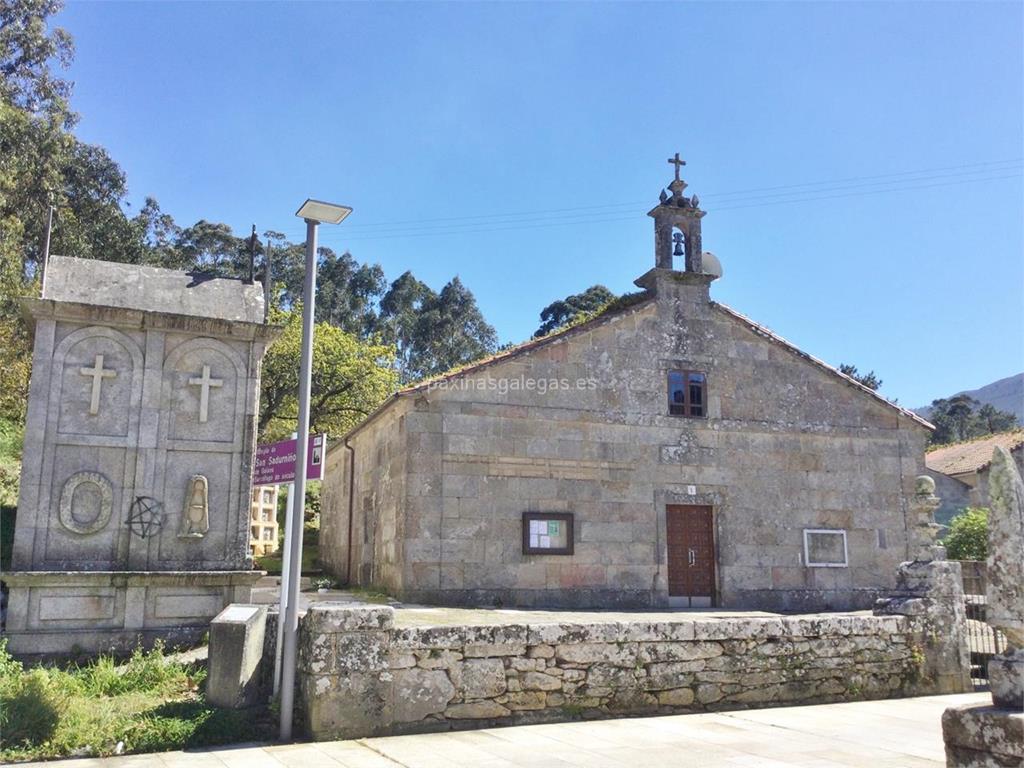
point(895, 733)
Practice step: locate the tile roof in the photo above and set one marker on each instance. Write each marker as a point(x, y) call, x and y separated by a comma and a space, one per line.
point(972, 456)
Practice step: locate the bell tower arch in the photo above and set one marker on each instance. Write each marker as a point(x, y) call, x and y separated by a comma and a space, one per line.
point(677, 225)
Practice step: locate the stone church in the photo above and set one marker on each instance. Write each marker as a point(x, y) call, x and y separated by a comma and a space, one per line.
point(668, 453)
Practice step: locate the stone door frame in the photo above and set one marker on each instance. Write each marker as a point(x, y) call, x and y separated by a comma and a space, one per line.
point(714, 497)
point(691, 600)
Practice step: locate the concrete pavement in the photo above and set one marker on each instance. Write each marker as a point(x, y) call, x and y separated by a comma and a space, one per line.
point(893, 733)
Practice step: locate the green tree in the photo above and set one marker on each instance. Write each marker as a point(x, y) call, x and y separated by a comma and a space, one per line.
point(568, 310)
point(350, 379)
point(952, 418)
point(212, 247)
point(26, 50)
point(34, 118)
point(400, 310)
point(433, 332)
point(961, 418)
point(990, 420)
point(159, 236)
point(450, 331)
point(968, 535)
point(869, 380)
point(347, 293)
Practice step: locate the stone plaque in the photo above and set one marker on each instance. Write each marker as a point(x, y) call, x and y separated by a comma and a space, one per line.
point(86, 502)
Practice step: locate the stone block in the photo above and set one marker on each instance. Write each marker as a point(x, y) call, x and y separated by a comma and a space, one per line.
point(417, 693)
point(571, 633)
point(677, 697)
point(361, 652)
point(671, 651)
point(476, 710)
point(438, 658)
point(343, 708)
point(623, 654)
point(526, 700)
point(1006, 679)
point(332, 618)
point(539, 681)
point(541, 652)
point(480, 678)
point(983, 737)
point(236, 654)
point(656, 631)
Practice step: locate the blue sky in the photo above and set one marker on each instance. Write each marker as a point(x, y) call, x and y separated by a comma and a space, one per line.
point(520, 145)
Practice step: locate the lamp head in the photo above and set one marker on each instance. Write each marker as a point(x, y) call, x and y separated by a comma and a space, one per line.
point(325, 213)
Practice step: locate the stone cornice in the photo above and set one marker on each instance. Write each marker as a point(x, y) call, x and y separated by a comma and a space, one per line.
point(136, 319)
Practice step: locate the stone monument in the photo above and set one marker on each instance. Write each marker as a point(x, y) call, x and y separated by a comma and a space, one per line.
point(982, 736)
point(133, 518)
point(930, 587)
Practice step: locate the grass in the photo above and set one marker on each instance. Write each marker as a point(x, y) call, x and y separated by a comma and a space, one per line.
point(310, 555)
point(147, 704)
point(272, 563)
point(370, 594)
point(11, 438)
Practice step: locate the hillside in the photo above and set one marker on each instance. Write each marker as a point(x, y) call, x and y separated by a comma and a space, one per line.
point(1006, 395)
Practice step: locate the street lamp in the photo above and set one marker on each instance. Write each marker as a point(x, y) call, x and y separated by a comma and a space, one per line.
point(314, 212)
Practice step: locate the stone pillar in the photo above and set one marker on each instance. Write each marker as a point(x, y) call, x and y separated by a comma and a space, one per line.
point(922, 529)
point(994, 735)
point(930, 588)
point(1004, 608)
point(344, 680)
point(236, 655)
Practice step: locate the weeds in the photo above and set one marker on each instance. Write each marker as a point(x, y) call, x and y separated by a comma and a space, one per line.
point(149, 703)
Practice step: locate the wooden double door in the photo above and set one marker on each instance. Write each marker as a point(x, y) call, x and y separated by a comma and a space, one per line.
point(691, 556)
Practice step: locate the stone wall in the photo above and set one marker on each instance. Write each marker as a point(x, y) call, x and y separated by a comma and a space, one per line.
point(954, 493)
point(378, 510)
point(786, 445)
point(361, 675)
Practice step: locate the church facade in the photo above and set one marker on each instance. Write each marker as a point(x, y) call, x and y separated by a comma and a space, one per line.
point(668, 453)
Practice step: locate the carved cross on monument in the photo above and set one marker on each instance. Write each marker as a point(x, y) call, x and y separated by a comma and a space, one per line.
point(98, 373)
point(205, 382)
point(677, 163)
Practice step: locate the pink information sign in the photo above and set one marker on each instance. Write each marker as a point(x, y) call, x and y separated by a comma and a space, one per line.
point(275, 462)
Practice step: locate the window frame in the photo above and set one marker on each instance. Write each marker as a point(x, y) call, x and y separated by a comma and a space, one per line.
point(564, 517)
point(687, 405)
point(807, 548)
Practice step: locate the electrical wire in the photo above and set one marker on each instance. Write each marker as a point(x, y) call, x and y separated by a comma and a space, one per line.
point(615, 212)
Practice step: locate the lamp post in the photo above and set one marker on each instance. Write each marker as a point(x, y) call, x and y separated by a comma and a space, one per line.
point(314, 212)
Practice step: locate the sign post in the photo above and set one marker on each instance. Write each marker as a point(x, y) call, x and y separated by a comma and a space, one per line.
point(275, 465)
point(275, 462)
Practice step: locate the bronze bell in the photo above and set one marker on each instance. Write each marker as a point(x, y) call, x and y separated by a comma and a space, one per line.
point(677, 238)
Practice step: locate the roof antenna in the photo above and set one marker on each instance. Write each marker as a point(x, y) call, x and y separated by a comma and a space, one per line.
point(252, 254)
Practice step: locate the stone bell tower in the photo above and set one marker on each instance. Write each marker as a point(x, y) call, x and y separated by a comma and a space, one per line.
point(677, 225)
point(677, 234)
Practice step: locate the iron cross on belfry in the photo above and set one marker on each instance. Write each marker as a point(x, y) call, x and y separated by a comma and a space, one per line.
point(677, 163)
